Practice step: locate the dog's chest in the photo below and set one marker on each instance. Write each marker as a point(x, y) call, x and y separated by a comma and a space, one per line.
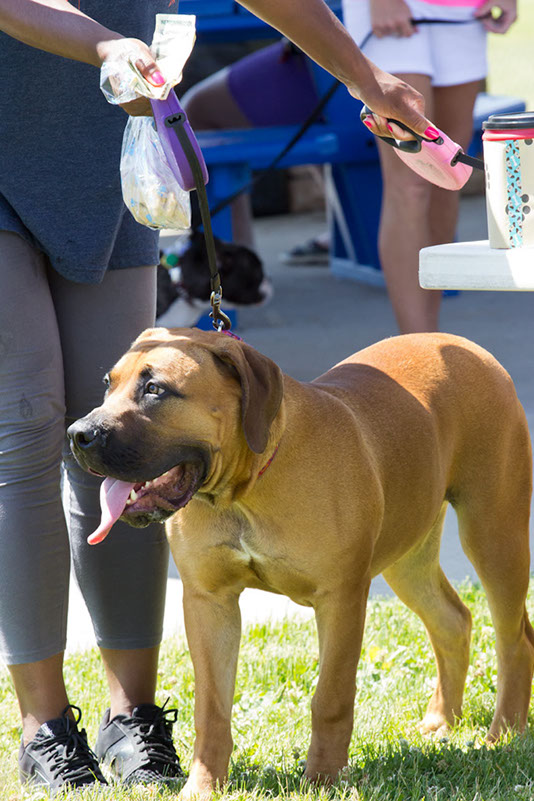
point(272, 570)
point(249, 554)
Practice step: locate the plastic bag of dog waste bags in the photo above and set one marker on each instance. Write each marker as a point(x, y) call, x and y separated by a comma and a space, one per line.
point(120, 79)
point(149, 189)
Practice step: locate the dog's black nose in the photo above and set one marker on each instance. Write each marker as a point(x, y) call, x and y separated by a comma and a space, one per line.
point(84, 436)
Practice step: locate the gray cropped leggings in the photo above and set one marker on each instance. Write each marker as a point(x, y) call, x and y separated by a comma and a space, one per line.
point(57, 340)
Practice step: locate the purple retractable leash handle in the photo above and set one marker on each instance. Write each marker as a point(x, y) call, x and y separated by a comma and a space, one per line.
point(185, 158)
point(169, 117)
point(441, 161)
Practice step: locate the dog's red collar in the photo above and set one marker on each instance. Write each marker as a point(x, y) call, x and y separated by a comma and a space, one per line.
point(231, 334)
point(266, 465)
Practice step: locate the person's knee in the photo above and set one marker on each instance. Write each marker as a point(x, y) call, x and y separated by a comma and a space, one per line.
point(408, 191)
point(211, 105)
point(196, 105)
point(31, 439)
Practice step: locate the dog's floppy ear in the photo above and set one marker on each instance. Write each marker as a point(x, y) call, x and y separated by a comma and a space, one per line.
point(261, 389)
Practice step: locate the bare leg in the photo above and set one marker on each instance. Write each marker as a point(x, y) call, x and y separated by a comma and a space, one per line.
point(40, 692)
point(416, 214)
point(404, 230)
point(132, 677)
point(211, 106)
point(42, 696)
point(453, 113)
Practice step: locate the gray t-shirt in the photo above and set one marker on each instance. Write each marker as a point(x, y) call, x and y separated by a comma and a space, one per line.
point(60, 144)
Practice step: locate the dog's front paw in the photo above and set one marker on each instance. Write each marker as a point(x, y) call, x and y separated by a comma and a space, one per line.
point(434, 723)
point(320, 774)
point(195, 791)
point(202, 782)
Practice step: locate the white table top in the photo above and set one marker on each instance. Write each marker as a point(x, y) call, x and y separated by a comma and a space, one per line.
point(474, 265)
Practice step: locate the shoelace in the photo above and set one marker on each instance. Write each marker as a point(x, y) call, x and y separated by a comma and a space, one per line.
point(68, 753)
point(156, 737)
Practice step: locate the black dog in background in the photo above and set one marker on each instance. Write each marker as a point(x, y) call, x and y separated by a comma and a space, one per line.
point(188, 293)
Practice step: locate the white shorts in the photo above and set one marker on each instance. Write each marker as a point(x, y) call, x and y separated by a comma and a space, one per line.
point(450, 54)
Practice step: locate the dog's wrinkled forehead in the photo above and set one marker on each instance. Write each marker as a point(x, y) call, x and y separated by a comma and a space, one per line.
point(181, 339)
point(158, 353)
point(190, 358)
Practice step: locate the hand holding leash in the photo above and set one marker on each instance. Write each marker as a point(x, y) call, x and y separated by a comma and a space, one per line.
point(391, 98)
point(433, 156)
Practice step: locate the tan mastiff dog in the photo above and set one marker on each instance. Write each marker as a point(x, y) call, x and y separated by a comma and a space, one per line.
point(310, 490)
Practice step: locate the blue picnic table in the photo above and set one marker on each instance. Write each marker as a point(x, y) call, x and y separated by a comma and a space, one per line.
point(228, 21)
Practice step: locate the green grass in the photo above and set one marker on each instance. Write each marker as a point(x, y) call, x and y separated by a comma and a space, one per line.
point(511, 57)
point(389, 759)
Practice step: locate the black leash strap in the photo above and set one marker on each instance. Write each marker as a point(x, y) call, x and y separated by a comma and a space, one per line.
point(221, 322)
point(472, 161)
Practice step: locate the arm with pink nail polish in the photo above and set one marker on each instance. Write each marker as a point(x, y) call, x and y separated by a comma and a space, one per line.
point(312, 26)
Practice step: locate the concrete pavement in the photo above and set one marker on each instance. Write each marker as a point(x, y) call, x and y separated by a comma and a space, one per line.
point(313, 321)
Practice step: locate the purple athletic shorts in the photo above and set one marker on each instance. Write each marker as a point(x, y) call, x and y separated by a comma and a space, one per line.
point(273, 86)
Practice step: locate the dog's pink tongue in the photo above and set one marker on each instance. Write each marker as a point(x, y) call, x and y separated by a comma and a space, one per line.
point(113, 497)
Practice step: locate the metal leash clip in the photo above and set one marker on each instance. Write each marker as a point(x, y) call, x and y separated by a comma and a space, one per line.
point(221, 321)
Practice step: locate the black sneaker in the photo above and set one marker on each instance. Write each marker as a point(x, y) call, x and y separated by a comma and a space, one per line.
point(140, 748)
point(59, 755)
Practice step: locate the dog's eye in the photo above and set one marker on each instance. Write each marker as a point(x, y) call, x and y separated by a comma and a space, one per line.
point(106, 380)
point(151, 388)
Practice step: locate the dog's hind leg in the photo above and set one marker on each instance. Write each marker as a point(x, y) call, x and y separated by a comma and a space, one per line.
point(495, 537)
point(420, 583)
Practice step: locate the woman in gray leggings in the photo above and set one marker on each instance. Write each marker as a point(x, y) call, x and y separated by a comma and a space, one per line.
point(77, 285)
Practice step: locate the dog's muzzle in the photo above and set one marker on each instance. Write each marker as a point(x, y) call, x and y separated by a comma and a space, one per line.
point(125, 493)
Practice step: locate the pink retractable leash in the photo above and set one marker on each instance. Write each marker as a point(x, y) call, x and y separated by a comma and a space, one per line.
point(440, 160)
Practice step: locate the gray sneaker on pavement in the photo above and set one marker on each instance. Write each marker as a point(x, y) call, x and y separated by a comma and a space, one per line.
point(59, 756)
point(314, 251)
point(140, 748)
